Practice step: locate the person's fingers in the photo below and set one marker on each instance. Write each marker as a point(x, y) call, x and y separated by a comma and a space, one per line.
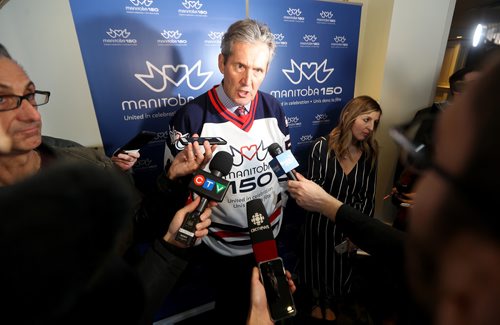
point(205, 221)
point(299, 176)
point(199, 154)
point(206, 214)
point(189, 152)
point(134, 154)
point(204, 224)
point(211, 204)
point(201, 233)
point(122, 156)
point(208, 152)
point(291, 284)
point(192, 205)
point(202, 227)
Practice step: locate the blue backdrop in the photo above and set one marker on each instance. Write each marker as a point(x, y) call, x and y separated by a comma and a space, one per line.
point(313, 72)
point(146, 58)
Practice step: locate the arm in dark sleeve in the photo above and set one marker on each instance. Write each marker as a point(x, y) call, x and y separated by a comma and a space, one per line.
point(159, 270)
point(159, 206)
point(372, 236)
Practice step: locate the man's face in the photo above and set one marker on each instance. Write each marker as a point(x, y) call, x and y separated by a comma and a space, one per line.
point(22, 126)
point(244, 71)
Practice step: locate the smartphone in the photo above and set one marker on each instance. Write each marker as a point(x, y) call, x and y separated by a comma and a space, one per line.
point(200, 140)
point(137, 142)
point(279, 297)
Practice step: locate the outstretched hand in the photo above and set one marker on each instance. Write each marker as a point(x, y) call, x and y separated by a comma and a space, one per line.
point(190, 159)
point(307, 193)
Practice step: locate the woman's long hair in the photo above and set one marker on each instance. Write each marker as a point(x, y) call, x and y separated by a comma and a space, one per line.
point(341, 136)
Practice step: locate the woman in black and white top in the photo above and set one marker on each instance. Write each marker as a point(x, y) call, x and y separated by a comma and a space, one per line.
point(345, 164)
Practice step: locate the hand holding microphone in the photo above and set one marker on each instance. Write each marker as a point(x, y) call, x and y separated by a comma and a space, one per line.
point(313, 197)
point(274, 278)
point(200, 228)
point(286, 162)
point(209, 186)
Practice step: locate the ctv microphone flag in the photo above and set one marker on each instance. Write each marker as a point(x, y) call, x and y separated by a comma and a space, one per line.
point(210, 186)
point(263, 243)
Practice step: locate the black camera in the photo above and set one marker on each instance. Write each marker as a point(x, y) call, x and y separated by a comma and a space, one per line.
point(401, 188)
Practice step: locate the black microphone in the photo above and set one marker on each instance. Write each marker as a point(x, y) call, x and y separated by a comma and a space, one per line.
point(261, 234)
point(271, 267)
point(285, 159)
point(209, 186)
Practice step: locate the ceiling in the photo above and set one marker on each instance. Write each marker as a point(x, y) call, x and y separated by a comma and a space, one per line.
point(469, 13)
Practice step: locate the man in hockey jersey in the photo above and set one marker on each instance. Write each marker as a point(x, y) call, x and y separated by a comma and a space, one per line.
point(250, 121)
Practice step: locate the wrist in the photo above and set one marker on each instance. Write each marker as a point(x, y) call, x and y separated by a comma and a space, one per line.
point(170, 176)
point(258, 318)
point(168, 238)
point(331, 207)
point(174, 249)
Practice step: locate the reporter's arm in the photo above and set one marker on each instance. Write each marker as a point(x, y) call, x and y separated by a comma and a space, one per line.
point(165, 261)
point(171, 191)
point(372, 235)
point(369, 234)
point(313, 197)
point(258, 313)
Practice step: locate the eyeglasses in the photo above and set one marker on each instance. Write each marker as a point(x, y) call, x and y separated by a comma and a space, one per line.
point(416, 155)
point(11, 102)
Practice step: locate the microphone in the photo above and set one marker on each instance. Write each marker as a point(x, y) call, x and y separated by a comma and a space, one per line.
point(271, 267)
point(286, 161)
point(263, 243)
point(210, 186)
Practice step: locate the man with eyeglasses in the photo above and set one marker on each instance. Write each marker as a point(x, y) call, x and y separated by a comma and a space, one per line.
point(26, 157)
point(87, 283)
point(450, 257)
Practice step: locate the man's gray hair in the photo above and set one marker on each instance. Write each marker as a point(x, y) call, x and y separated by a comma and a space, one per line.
point(247, 31)
point(4, 52)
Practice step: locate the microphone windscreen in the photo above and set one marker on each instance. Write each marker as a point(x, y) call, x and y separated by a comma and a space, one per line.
point(222, 161)
point(261, 234)
point(275, 149)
